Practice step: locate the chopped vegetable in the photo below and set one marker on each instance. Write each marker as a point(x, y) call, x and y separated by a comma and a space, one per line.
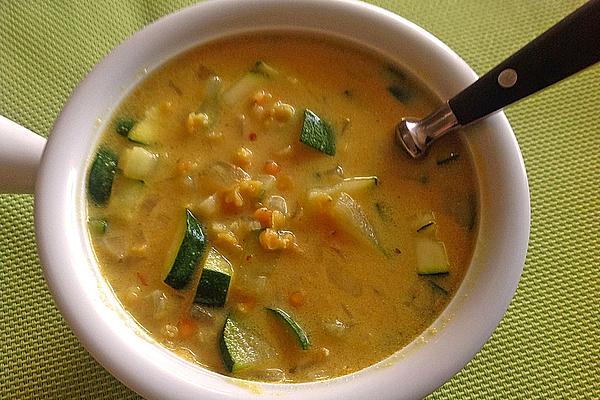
point(211, 105)
point(277, 203)
point(349, 213)
point(148, 130)
point(427, 225)
point(317, 133)
point(223, 175)
point(424, 221)
point(138, 163)
point(214, 281)
point(251, 81)
point(208, 206)
point(240, 347)
point(124, 125)
point(356, 184)
point(125, 206)
point(431, 257)
point(293, 326)
point(191, 249)
point(98, 226)
point(102, 175)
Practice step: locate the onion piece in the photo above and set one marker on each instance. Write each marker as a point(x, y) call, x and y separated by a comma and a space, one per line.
point(222, 175)
point(277, 203)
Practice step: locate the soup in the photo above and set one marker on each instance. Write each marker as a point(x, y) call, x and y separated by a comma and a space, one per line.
point(250, 209)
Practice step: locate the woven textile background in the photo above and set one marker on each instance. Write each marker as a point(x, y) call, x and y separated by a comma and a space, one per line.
point(547, 346)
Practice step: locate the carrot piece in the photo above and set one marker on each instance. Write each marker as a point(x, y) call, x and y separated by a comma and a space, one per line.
point(296, 299)
point(271, 168)
point(186, 327)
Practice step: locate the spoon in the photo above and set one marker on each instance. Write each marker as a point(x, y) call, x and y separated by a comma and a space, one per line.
point(568, 47)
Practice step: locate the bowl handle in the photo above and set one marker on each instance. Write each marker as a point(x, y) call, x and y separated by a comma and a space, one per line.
point(20, 154)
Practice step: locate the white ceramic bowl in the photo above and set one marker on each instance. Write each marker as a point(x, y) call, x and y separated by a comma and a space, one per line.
point(115, 340)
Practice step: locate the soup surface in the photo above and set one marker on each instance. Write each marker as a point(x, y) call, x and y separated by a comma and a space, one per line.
point(250, 209)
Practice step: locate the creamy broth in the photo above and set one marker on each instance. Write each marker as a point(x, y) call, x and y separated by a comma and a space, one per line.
point(343, 257)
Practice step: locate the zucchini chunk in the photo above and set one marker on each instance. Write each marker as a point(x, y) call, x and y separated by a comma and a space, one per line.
point(98, 226)
point(191, 250)
point(350, 214)
point(431, 257)
point(149, 129)
point(256, 76)
point(240, 347)
point(125, 206)
point(137, 163)
point(214, 281)
point(425, 222)
point(296, 329)
point(317, 133)
point(124, 125)
point(102, 175)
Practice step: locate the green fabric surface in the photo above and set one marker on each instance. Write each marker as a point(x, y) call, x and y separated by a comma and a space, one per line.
point(547, 345)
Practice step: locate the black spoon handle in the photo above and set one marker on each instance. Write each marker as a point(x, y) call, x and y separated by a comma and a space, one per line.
point(565, 49)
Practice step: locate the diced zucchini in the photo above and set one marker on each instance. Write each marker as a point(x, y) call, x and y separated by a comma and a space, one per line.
point(129, 195)
point(431, 257)
point(124, 125)
point(214, 281)
point(296, 329)
point(349, 214)
point(192, 247)
point(148, 130)
point(137, 163)
point(251, 81)
point(240, 347)
point(317, 133)
point(98, 226)
point(102, 175)
point(425, 222)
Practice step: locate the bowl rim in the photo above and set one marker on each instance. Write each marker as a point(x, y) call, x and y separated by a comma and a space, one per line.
point(98, 321)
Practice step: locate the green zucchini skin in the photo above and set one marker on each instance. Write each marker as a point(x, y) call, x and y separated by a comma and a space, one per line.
point(102, 174)
point(192, 249)
point(212, 289)
point(317, 133)
point(214, 281)
point(296, 329)
point(226, 336)
point(240, 347)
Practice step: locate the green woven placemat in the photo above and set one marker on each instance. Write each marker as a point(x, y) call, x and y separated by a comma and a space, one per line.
point(546, 346)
